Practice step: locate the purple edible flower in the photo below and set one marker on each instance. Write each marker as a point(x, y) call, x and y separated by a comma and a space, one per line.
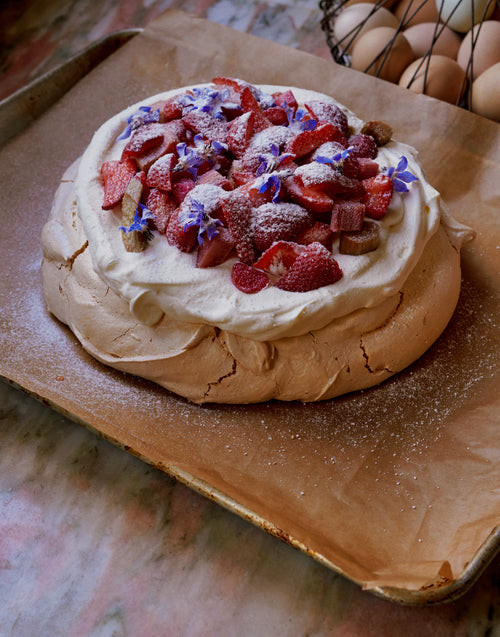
point(206, 100)
point(188, 159)
point(195, 215)
point(400, 176)
point(335, 160)
point(269, 177)
point(140, 222)
point(296, 120)
point(144, 115)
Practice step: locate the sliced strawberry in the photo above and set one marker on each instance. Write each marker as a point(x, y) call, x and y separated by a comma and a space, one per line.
point(320, 232)
point(206, 125)
point(230, 82)
point(347, 216)
point(276, 115)
point(214, 177)
point(248, 279)
point(327, 179)
point(173, 132)
point(162, 205)
point(172, 109)
point(363, 146)
point(311, 198)
point(249, 103)
point(161, 172)
point(286, 98)
point(367, 167)
point(115, 177)
point(314, 268)
point(144, 139)
point(181, 188)
point(236, 213)
point(215, 251)
point(378, 195)
point(183, 240)
point(278, 222)
point(328, 112)
point(240, 132)
point(277, 259)
point(307, 141)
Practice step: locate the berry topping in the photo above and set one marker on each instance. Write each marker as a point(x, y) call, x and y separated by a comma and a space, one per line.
point(275, 222)
point(247, 278)
point(378, 194)
point(115, 176)
point(314, 268)
point(227, 170)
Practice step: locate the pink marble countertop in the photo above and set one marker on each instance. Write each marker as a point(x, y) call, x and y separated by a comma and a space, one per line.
point(95, 542)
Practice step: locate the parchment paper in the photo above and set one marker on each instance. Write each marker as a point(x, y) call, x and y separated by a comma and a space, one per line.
point(397, 487)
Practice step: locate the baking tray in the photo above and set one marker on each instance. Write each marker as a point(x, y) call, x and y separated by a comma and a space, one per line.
point(275, 464)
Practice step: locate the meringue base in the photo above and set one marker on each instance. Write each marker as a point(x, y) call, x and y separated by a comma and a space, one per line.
point(206, 364)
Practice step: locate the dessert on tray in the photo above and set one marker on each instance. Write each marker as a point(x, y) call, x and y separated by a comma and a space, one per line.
point(238, 243)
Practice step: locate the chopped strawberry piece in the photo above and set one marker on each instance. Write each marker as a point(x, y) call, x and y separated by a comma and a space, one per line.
point(363, 146)
point(239, 174)
point(248, 279)
point(276, 115)
point(206, 125)
point(240, 132)
point(278, 222)
point(286, 98)
point(307, 141)
point(314, 268)
point(378, 195)
point(172, 109)
point(184, 240)
point(328, 112)
point(173, 132)
point(236, 212)
point(347, 216)
point(214, 177)
point(277, 259)
point(160, 173)
point(327, 179)
point(162, 205)
point(311, 198)
point(236, 84)
point(181, 188)
point(216, 250)
point(144, 139)
point(367, 167)
point(249, 103)
point(320, 232)
point(116, 176)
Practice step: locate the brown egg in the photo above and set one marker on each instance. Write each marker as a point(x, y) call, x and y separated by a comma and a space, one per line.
point(357, 19)
point(416, 11)
point(486, 93)
point(382, 46)
point(445, 80)
point(486, 39)
point(443, 40)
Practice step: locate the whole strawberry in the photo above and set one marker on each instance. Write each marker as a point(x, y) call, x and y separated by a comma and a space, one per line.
point(314, 268)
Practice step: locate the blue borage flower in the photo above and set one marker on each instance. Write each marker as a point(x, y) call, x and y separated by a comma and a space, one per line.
point(297, 120)
point(191, 158)
point(336, 160)
point(195, 215)
point(140, 223)
point(206, 100)
point(400, 176)
point(144, 115)
point(268, 176)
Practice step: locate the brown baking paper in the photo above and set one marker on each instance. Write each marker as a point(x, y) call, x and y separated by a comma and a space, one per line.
point(397, 487)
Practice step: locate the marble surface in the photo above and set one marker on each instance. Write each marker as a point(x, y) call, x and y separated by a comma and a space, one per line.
point(94, 542)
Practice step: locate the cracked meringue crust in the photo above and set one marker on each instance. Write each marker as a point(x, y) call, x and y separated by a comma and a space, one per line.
point(207, 364)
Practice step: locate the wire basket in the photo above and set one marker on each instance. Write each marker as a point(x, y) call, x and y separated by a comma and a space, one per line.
point(332, 8)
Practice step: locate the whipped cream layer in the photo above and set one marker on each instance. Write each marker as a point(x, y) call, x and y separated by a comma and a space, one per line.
point(162, 280)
